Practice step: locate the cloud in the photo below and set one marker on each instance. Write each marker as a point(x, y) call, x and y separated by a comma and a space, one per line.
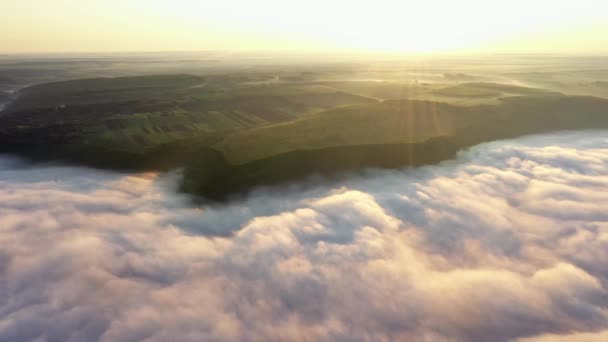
point(575, 337)
point(508, 242)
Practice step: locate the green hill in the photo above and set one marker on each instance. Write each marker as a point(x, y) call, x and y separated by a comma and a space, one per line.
point(376, 123)
point(231, 135)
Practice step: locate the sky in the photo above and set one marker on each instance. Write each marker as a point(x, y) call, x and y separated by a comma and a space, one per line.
point(548, 26)
point(508, 242)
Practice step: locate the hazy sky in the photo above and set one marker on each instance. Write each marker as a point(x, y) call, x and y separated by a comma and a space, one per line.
point(579, 26)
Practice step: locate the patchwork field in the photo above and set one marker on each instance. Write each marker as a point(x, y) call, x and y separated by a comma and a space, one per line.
point(236, 130)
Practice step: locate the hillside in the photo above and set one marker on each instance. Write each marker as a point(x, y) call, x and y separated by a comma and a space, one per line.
point(387, 122)
point(232, 135)
point(516, 117)
point(133, 114)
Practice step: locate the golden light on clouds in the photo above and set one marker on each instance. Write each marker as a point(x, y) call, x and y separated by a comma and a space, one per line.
point(380, 25)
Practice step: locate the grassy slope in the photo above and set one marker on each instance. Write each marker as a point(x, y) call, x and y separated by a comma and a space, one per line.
point(267, 133)
point(391, 121)
point(134, 114)
point(461, 94)
point(516, 117)
point(377, 123)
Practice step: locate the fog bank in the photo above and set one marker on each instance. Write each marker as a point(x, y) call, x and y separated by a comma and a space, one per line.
point(509, 242)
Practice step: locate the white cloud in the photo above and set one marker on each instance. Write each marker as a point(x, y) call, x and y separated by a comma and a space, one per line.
point(508, 242)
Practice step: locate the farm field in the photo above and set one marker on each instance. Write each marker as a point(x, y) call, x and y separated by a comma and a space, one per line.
point(252, 125)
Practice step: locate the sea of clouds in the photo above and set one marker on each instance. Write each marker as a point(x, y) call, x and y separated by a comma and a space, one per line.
point(508, 242)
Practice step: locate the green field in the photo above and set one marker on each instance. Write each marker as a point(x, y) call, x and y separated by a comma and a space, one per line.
point(239, 130)
point(377, 123)
point(136, 113)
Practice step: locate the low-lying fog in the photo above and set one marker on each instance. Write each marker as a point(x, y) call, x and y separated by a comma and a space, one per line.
point(508, 242)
